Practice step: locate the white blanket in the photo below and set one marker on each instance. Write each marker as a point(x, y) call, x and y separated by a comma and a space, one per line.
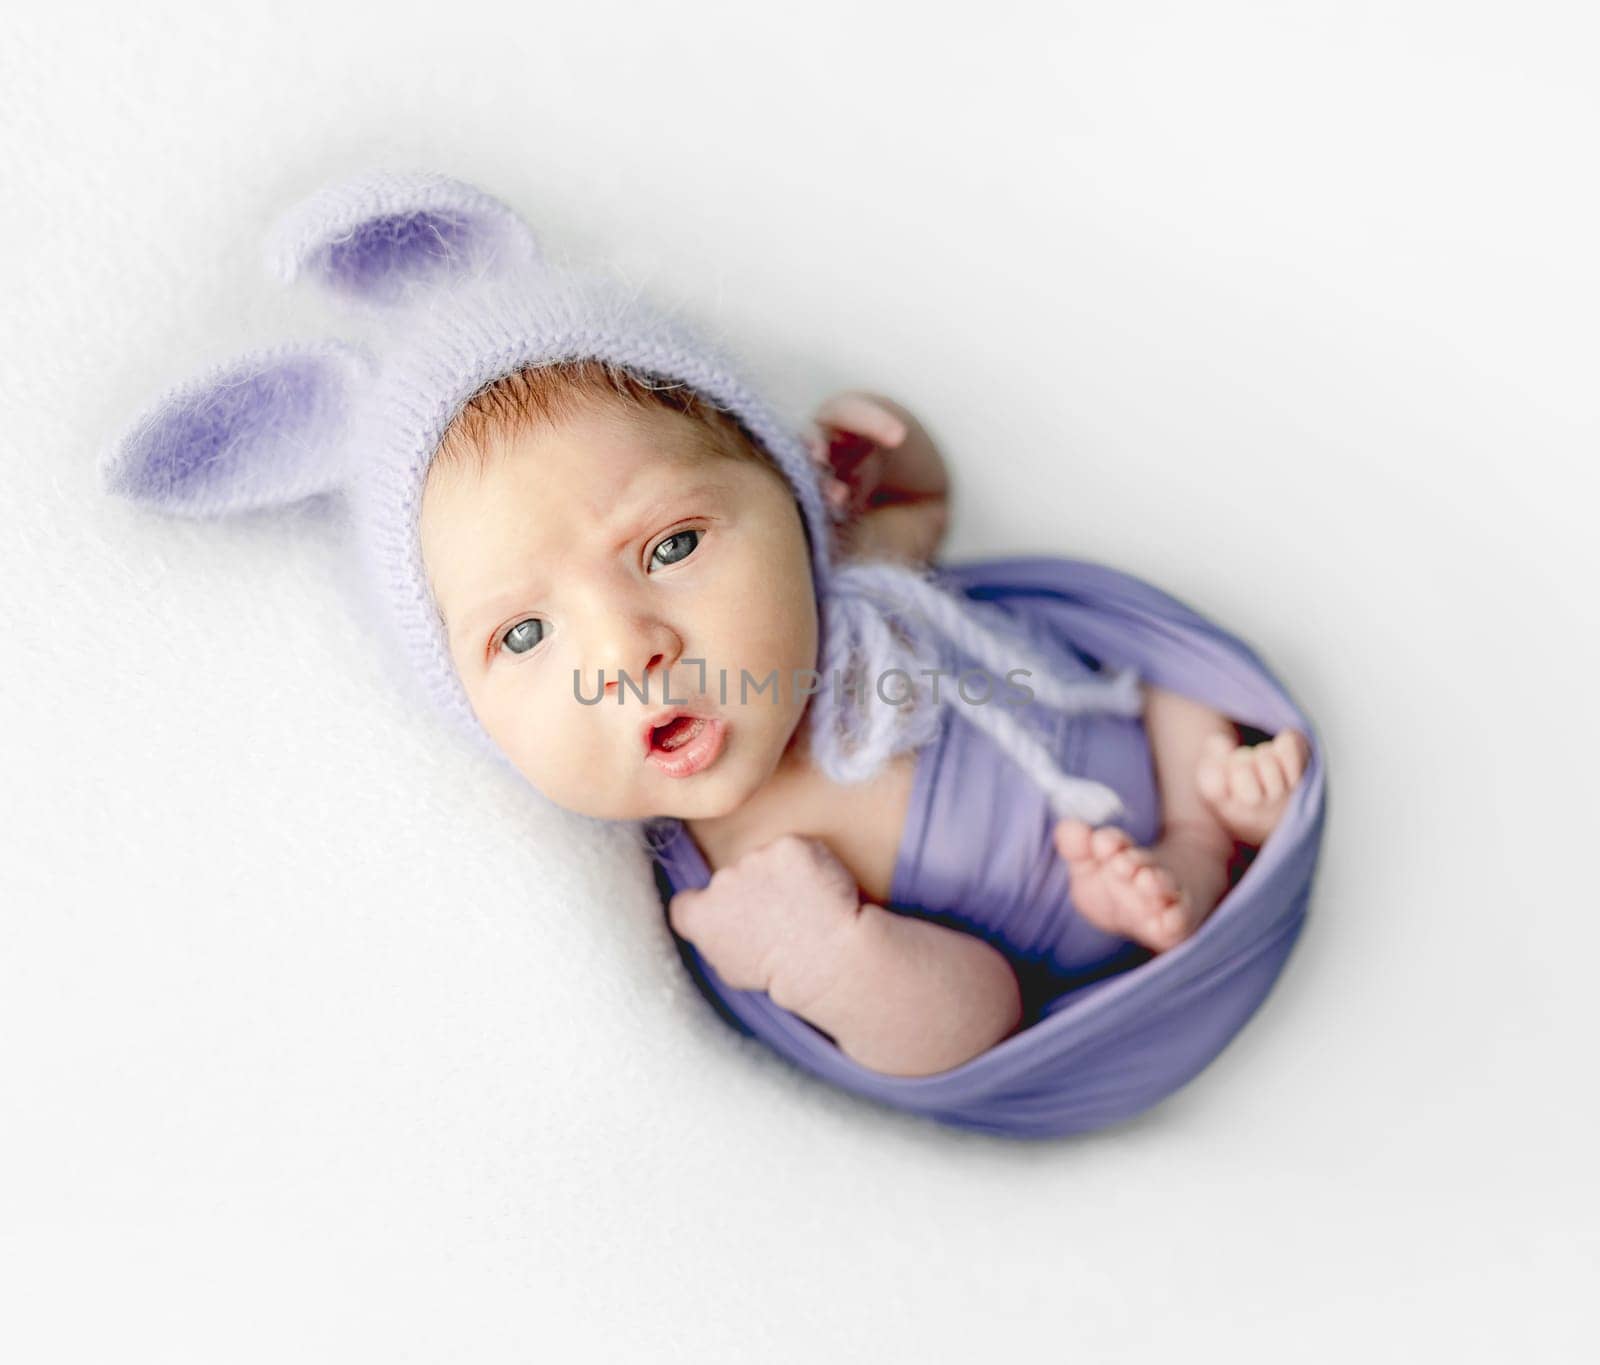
point(321, 1042)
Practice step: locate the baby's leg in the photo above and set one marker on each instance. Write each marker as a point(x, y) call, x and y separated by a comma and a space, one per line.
point(1215, 794)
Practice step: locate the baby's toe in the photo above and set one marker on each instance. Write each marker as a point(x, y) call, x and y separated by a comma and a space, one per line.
point(1242, 779)
point(1269, 772)
point(1163, 907)
point(1211, 774)
point(1171, 926)
point(1072, 840)
point(1156, 883)
point(1294, 753)
point(1134, 882)
point(1107, 840)
point(1157, 922)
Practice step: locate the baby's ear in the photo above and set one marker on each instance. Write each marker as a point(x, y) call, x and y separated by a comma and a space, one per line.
point(378, 238)
point(263, 430)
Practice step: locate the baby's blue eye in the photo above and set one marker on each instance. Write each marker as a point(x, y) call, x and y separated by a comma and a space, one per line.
point(526, 635)
point(678, 547)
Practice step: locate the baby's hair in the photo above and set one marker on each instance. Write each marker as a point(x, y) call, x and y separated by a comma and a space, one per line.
point(540, 395)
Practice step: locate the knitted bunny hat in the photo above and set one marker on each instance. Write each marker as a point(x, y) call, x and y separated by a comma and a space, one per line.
point(454, 293)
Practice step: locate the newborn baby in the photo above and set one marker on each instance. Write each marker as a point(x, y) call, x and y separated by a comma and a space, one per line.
point(589, 544)
point(590, 538)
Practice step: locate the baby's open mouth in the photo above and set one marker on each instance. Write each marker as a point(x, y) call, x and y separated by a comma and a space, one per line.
point(682, 745)
point(676, 732)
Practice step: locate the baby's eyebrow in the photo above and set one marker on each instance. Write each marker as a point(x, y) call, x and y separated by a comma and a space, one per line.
point(473, 620)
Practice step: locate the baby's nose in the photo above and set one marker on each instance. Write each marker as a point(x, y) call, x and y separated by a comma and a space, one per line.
point(645, 659)
point(636, 675)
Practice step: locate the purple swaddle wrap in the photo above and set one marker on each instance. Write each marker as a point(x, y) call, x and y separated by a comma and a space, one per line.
point(1110, 1030)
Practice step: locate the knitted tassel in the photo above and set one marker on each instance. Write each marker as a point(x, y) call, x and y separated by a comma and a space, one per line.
point(850, 742)
point(859, 648)
point(1000, 650)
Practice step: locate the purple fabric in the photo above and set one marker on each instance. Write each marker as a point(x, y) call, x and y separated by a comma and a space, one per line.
point(977, 854)
point(1110, 1029)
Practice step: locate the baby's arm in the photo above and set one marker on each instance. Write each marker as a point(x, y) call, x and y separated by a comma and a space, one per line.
point(909, 997)
point(900, 995)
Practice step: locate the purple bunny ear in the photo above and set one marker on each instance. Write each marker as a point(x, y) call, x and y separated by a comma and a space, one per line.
point(263, 430)
point(377, 238)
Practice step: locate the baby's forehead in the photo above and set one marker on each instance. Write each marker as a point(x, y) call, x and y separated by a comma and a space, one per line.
point(579, 471)
point(561, 487)
point(597, 442)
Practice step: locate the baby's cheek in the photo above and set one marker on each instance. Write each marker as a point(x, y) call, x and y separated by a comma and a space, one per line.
point(518, 724)
point(777, 629)
point(550, 767)
point(581, 753)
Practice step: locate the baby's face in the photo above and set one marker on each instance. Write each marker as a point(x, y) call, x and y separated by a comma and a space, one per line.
point(616, 542)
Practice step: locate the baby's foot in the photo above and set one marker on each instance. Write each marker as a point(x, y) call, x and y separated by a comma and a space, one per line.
point(1156, 896)
point(1247, 786)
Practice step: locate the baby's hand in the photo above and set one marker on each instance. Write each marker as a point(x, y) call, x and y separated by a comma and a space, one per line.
point(777, 920)
point(850, 433)
point(884, 480)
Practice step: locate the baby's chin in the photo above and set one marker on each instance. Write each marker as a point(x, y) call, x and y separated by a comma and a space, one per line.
point(708, 795)
point(695, 801)
point(705, 796)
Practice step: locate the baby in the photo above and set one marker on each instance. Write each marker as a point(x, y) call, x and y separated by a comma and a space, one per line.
point(590, 536)
point(560, 494)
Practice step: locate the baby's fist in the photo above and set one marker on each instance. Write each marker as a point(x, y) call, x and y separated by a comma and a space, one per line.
point(777, 920)
point(847, 438)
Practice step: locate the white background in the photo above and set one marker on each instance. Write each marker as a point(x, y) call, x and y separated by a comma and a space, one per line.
point(321, 1042)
